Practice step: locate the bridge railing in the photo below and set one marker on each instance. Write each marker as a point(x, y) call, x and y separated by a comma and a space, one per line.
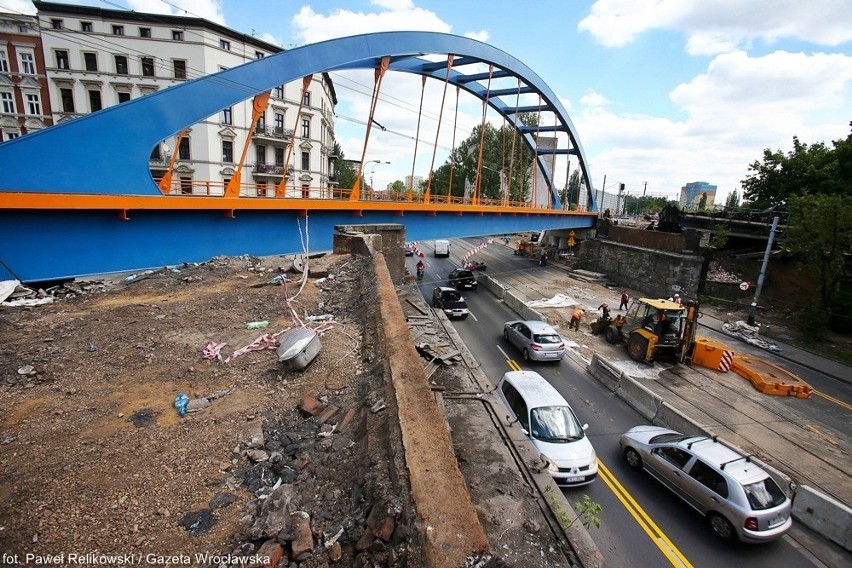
point(195, 188)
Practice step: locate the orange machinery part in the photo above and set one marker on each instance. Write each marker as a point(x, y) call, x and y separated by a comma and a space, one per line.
point(770, 378)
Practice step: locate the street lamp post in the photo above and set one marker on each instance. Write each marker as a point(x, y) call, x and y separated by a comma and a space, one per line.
point(373, 169)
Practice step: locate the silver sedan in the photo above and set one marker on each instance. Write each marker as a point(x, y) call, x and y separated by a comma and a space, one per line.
point(535, 339)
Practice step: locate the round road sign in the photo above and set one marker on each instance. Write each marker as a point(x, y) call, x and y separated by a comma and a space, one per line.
point(743, 286)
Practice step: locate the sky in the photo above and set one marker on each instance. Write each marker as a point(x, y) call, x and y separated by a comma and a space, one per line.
point(661, 92)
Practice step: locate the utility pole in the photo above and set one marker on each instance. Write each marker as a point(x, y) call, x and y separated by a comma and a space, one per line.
point(760, 278)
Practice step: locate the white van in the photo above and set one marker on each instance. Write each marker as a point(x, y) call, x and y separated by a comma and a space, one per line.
point(442, 248)
point(551, 426)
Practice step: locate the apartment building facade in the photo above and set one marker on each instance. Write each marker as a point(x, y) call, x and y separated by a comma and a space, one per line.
point(96, 58)
point(24, 99)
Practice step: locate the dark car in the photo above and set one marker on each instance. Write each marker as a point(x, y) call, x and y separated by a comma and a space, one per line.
point(450, 301)
point(462, 279)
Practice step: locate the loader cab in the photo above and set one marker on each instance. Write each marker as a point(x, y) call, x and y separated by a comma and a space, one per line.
point(651, 329)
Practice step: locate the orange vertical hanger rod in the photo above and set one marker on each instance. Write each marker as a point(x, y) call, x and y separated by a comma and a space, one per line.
point(281, 190)
point(377, 86)
point(416, 138)
point(165, 184)
point(258, 107)
point(427, 193)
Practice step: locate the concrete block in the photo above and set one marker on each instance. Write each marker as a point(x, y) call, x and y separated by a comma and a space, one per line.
point(640, 397)
point(605, 372)
point(824, 515)
point(670, 417)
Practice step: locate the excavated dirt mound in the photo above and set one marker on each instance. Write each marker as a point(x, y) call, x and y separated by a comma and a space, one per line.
point(96, 459)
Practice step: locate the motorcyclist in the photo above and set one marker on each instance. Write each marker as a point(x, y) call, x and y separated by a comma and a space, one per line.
point(420, 267)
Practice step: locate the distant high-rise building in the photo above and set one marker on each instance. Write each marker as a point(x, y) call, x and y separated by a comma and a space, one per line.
point(692, 193)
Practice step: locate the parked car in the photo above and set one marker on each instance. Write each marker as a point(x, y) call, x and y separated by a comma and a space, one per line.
point(739, 498)
point(450, 301)
point(551, 426)
point(462, 278)
point(535, 339)
point(409, 249)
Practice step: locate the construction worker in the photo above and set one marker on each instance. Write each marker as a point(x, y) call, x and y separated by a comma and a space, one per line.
point(576, 317)
point(625, 297)
point(676, 299)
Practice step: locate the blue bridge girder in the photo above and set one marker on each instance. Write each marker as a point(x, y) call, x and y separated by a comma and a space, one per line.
point(106, 154)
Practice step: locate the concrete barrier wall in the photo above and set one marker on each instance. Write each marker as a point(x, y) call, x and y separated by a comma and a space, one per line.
point(639, 397)
point(824, 515)
point(605, 372)
point(670, 417)
point(492, 285)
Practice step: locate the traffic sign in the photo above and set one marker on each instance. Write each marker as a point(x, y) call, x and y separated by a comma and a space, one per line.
point(743, 286)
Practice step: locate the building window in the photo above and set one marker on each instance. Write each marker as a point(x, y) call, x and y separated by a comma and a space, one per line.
point(306, 161)
point(118, 30)
point(121, 65)
point(56, 24)
point(227, 116)
point(306, 191)
point(306, 99)
point(183, 149)
point(95, 101)
point(279, 92)
point(67, 96)
point(261, 189)
point(123, 97)
point(258, 55)
point(144, 32)
point(260, 154)
point(12, 135)
point(186, 186)
point(86, 26)
point(225, 44)
point(62, 59)
point(179, 66)
point(33, 105)
point(148, 66)
point(4, 62)
point(279, 123)
point(8, 102)
point(227, 151)
point(306, 128)
point(261, 122)
point(177, 35)
point(279, 156)
point(91, 61)
point(28, 64)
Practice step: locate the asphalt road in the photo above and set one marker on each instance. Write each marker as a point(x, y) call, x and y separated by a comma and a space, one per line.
point(642, 523)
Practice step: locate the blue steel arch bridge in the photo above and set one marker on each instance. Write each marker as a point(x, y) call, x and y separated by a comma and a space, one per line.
point(97, 209)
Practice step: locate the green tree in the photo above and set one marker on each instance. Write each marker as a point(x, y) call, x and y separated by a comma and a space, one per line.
point(733, 201)
point(398, 188)
point(819, 232)
point(702, 203)
point(814, 169)
point(498, 165)
point(570, 195)
point(346, 170)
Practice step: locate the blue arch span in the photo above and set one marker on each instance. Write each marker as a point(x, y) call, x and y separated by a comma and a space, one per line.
point(107, 152)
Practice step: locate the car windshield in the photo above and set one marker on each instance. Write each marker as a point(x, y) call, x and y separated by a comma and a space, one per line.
point(764, 494)
point(464, 274)
point(544, 338)
point(452, 296)
point(555, 424)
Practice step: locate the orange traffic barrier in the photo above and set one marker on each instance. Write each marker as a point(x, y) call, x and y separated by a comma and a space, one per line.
point(770, 378)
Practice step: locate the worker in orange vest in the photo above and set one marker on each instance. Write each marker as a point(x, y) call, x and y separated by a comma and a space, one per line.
point(576, 317)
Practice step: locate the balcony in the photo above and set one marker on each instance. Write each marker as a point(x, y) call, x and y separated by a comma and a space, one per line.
point(273, 133)
point(262, 170)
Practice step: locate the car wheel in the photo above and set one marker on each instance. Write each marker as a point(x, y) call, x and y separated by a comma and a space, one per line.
point(722, 527)
point(526, 354)
point(633, 458)
point(612, 334)
point(637, 347)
